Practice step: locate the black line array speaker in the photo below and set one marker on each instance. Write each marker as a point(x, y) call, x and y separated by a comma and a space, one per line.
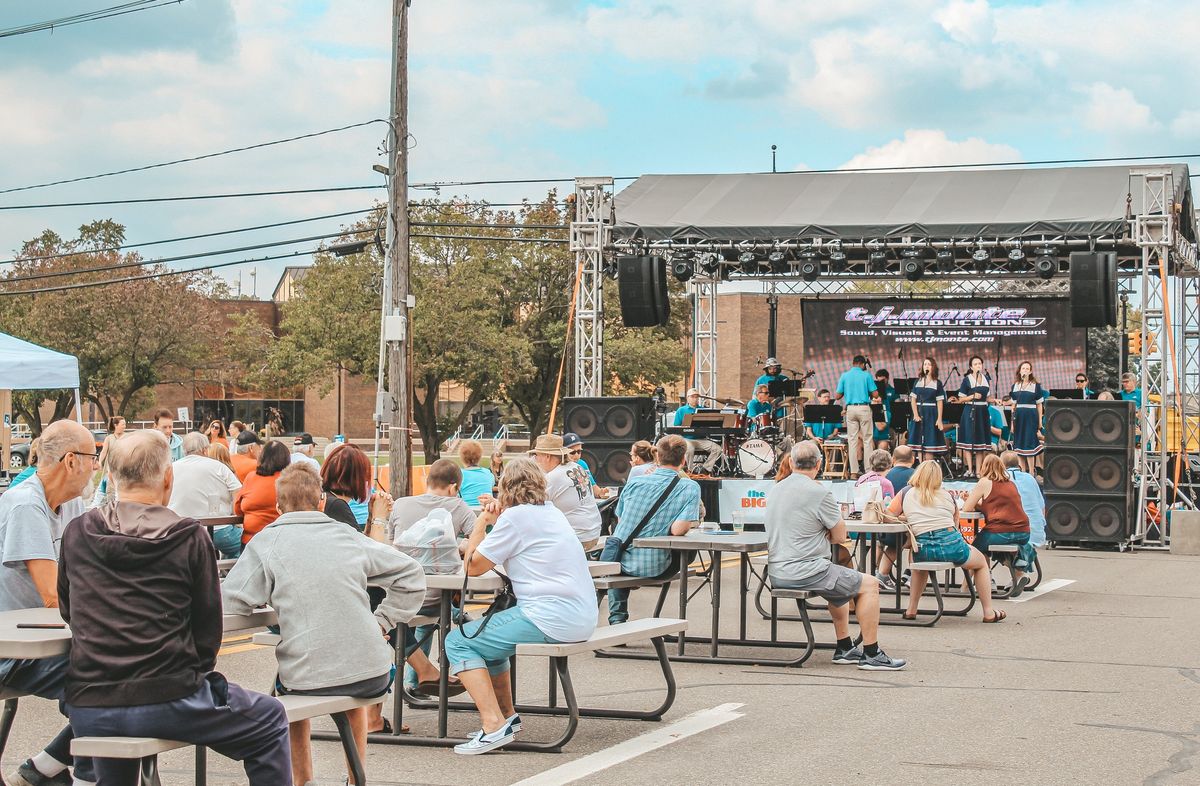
point(1093, 289)
point(642, 289)
point(608, 427)
point(1088, 471)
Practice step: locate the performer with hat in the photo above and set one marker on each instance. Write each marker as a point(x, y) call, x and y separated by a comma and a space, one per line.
point(772, 372)
point(703, 454)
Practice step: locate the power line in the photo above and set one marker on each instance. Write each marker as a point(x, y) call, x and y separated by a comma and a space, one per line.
point(488, 226)
point(88, 16)
point(198, 255)
point(191, 197)
point(501, 239)
point(190, 159)
point(107, 249)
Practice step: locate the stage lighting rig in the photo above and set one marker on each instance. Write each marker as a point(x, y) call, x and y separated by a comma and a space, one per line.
point(1046, 263)
point(710, 263)
point(837, 260)
point(945, 261)
point(877, 261)
point(748, 261)
point(983, 259)
point(610, 269)
point(1016, 255)
point(778, 260)
point(682, 268)
point(912, 263)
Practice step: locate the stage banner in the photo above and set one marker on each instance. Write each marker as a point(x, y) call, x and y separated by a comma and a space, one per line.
point(750, 497)
point(898, 334)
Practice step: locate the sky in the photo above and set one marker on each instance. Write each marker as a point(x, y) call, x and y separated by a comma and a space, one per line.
point(558, 89)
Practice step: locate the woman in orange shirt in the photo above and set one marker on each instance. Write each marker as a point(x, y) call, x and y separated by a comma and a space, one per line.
point(255, 503)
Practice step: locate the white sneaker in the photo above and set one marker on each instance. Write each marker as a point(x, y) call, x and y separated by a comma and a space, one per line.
point(514, 724)
point(482, 743)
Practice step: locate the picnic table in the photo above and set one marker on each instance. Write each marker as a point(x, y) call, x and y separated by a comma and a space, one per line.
point(716, 544)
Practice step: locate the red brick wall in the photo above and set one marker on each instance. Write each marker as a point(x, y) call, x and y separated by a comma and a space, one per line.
point(742, 320)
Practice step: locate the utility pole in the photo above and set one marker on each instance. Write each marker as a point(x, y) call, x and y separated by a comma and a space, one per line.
point(398, 341)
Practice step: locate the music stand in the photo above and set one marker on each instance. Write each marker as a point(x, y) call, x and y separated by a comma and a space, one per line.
point(877, 413)
point(1074, 393)
point(823, 414)
point(904, 386)
point(951, 414)
point(783, 388)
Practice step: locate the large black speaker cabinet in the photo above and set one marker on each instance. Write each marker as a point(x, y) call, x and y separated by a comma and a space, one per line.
point(642, 289)
point(608, 427)
point(1093, 289)
point(1088, 471)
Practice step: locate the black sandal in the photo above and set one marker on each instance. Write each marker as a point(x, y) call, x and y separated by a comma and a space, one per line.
point(904, 615)
point(997, 616)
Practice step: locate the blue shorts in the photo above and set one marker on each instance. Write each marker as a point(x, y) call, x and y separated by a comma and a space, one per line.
point(1026, 554)
point(943, 545)
point(498, 642)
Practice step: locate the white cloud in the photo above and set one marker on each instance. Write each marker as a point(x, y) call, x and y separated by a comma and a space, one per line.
point(1117, 111)
point(931, 147)
point(967, 21)
point(1186, 124)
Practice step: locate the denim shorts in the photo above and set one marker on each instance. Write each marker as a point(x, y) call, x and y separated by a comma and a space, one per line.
point(1026, 555)
point(943, 545)
point(498, 642)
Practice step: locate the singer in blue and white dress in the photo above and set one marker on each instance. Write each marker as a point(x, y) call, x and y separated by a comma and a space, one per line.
point(1027, 397)
point(925, 433)
point(975, 430)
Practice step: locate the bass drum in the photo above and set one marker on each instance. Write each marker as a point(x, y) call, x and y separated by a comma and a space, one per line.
point(756, 457)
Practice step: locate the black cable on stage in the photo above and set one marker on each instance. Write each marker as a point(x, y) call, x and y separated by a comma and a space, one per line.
point(88, 16)
point(192, 197)
point(190, 159)
point(186, 237)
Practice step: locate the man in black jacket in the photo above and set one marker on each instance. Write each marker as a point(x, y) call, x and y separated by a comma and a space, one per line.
point(138, 585)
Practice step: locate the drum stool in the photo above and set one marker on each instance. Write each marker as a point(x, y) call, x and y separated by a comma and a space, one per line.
point(835, 460)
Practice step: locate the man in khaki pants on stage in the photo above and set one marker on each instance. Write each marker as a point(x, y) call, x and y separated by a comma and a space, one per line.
point(856, 387)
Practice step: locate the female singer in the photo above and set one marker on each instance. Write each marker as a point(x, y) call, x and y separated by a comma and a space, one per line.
point(975, 432)
point(925, 434)
point(1027, 395)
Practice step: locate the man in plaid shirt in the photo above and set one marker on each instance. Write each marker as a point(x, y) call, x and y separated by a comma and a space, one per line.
point(679, 512)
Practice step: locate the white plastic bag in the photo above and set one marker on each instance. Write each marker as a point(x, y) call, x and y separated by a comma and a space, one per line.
point(431, 542)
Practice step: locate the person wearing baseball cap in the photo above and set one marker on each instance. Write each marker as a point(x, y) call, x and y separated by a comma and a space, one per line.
point(245, 460)
point(302, 450)
point(703, 454)
point(690, 408)
point(574, 445)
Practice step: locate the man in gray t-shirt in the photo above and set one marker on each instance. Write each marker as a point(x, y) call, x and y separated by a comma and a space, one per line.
point(802, 521)
point(32, 519)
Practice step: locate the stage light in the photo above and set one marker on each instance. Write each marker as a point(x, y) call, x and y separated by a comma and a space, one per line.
point(778, 261)
point(810, 269)
point(682, 268)
point(610, 269)
point(983, 259)
point(878, 261)
point(710, 263)
point(1046, 263)
point(945, 261)
point(837, 261)
point(912, 268)
point(748, 261)
point(1016, 255)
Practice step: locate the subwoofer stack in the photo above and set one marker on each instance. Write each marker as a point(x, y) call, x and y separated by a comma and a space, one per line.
point(608, 427)
point(1089, 469)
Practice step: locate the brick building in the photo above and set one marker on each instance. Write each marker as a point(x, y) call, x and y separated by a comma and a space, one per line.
point(742, 320)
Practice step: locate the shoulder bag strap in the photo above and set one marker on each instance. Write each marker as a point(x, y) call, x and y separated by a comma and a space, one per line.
point(649, 514)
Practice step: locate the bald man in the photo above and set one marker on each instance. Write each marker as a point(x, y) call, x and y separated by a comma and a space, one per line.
point(32, 519)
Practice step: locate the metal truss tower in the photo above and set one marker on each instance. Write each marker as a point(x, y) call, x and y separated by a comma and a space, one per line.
point(590, 233)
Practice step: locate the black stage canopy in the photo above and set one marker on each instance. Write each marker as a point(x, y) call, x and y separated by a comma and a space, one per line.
point(1070, 202)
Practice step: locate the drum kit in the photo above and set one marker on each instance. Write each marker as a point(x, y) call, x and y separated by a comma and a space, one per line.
point(749, 447)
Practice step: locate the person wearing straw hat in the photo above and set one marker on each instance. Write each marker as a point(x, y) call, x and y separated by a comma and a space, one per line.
point(568, 488)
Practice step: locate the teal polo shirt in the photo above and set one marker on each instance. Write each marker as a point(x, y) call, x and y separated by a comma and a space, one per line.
point(856, 385)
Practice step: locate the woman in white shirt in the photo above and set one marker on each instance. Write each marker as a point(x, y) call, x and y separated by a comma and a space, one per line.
point(556, 600)
point(641, 459)
point(932, 516)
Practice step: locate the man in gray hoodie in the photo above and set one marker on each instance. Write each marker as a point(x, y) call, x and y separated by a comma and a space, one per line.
point(314, 572)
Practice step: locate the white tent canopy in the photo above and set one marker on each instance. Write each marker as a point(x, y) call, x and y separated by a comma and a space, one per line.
point(26, 366)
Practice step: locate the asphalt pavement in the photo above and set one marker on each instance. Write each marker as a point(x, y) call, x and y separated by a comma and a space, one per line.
point(1095, 681)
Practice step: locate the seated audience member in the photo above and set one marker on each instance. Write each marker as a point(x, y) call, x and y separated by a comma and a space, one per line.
point(821, 431)
point(164, 422)
point(216, 435)
point(221, 453)
point(302, 451)
point(785, 467)
point(997, 497)
point(497, 466)
point(205, 487)
point(138, 585)
point(441, 493)
point(574, 446)
point(236, 427)
point(1032, 501)
point(32, 519)
point(568, 489)
point(255, 503)
point(536, 548)
point(902, 468)
point(314, 572)
point(477, 481)
point(678, 513)
point(27, 473)
point(641, 459)
point(803, 519)
point(245, 458)
point(879, 463)
point(346, 478)
point(932, 516)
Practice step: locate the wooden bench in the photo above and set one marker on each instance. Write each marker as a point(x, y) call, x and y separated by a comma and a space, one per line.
point(298, 708)
point(651, 629)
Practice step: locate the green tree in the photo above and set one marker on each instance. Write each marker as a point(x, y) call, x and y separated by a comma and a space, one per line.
point(128, 335)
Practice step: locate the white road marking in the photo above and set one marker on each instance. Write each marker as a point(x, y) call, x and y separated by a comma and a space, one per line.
point(1043, 588)
point(630, 749)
